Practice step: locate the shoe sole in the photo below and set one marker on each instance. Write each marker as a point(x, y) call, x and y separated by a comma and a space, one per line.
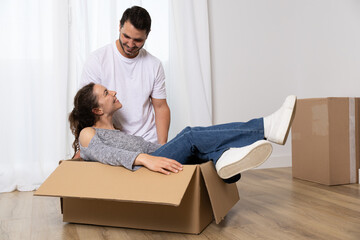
point(253, 159)
point(289, 124)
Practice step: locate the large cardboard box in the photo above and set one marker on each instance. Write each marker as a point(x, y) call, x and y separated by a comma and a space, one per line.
point(325, 140)
point(94, 193)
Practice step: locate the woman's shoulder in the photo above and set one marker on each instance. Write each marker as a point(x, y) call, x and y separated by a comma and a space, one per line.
point(86, 135)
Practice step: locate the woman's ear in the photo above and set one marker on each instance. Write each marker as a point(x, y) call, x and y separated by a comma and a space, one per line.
point(97, 111)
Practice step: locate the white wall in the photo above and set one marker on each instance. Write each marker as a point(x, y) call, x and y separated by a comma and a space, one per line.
point(264, 50)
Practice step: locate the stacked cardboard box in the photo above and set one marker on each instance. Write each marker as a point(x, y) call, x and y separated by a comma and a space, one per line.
point(94, 193)
point(325, 140)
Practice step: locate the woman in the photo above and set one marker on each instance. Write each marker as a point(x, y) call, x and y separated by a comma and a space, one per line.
point(233, 147)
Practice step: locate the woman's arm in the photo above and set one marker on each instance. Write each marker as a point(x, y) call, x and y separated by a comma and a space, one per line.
point(96, 150)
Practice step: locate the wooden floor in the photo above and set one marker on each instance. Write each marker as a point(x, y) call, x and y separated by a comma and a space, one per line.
point(272, 206)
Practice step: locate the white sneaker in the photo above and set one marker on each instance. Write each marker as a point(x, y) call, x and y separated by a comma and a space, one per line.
point(237, 160)
point(277, 125)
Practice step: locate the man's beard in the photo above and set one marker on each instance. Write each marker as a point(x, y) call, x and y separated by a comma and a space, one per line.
point(130, 54)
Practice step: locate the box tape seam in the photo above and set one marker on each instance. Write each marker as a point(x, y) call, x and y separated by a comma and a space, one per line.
point(352, 140)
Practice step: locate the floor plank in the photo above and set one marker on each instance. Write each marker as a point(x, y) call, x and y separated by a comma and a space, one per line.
point(273, 205)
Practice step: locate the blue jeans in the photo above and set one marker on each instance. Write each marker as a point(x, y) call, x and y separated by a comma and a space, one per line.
point(197, 144)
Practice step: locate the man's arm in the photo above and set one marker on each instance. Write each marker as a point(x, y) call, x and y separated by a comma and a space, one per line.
point(162, 119)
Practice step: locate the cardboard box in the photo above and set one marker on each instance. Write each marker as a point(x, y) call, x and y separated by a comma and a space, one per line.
point(94, 193)
point(325, 140)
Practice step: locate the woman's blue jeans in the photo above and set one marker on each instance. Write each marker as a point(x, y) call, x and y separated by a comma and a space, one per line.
point(196, 144)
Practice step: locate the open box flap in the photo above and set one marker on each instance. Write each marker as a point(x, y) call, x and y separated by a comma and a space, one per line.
point(222, 196)
point(93, 180)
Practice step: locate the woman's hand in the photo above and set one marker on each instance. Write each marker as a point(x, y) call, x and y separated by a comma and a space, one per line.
point(158, 164)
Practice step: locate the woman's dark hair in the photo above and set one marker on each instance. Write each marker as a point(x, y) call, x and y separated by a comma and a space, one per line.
point(82, 115)
point(138, 17)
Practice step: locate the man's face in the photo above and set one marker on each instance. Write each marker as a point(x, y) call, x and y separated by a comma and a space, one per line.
point(131, 40)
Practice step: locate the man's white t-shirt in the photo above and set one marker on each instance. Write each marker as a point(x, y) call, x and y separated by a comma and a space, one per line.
point(135, 80)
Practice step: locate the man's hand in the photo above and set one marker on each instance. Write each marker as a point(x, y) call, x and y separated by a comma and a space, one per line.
point(158, 164)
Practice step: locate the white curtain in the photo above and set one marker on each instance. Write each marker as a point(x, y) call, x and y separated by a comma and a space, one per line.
point(43, 48)
point(189, 79)
point(33, 73)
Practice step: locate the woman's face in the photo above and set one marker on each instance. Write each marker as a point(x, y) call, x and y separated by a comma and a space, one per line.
point(107, 100)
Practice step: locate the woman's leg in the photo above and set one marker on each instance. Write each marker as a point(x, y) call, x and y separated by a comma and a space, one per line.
point(208, 143)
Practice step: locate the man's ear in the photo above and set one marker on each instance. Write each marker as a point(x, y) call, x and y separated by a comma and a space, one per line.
point(147, 34)
point(97, 111)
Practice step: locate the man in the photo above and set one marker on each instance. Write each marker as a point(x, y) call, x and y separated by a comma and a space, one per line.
point(136, 76)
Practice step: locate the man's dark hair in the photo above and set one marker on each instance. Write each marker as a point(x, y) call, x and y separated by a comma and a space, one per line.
point(138, 17)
